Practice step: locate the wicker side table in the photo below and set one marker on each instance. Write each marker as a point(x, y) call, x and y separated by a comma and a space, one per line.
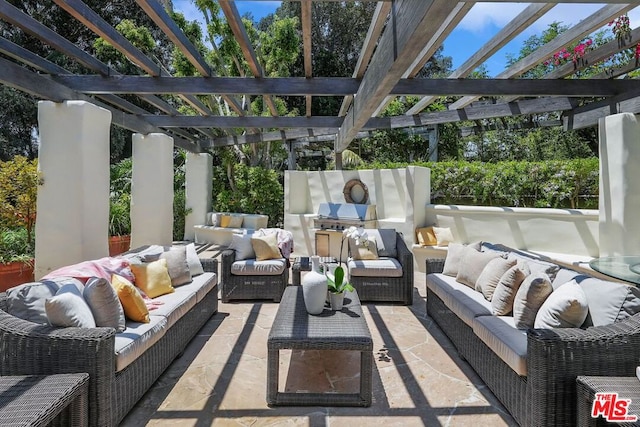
point(37, 400)
point(588, 386)
point(304, 264)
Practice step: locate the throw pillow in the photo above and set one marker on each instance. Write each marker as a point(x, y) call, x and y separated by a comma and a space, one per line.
point(506, 289)
point(472, 263)
point(454, 254)
point(426, 236)
point(26, 301)
point(67, 309)
point(385, 239)
point(491, 275)
point(177, 265)
point(566, 307)
point(131, 300)
point(153, 278)
point(266, 247)
point(444, 236)
point(231, 221)
point(104, 303)
point(241, 243)
point(609, 302)
point(532, 293)
point(362, 251)
point(195, 266)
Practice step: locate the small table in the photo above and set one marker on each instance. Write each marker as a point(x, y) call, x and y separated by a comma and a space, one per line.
point(294, 328)
point(304, 264)
point(36, 400)
point(625, 268)
point(588, 386)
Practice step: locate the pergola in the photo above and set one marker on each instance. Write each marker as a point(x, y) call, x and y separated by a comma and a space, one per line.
point(402, 36)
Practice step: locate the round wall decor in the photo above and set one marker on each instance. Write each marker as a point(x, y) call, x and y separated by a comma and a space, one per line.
point(355, 191)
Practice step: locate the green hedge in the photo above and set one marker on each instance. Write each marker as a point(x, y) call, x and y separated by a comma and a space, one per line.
point(555, 184)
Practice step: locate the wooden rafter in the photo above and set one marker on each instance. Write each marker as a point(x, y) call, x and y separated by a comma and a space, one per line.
point(305, 15)
point(521, 22)
point(589, 115)
point(583, 28)
point(240, 32)
point(370, 41)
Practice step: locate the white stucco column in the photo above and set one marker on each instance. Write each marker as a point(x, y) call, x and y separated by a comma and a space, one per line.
point(152, 190)
point(73, 202)
point(619, 185)
point(198, 190)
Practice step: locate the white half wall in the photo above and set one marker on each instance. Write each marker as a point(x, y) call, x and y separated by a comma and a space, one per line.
point(198, 190)
point(619, 185)
point(399, 195)
point(152, 190)
point(73, 202)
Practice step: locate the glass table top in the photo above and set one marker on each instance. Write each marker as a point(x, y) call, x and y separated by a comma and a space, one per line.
point(621, 267)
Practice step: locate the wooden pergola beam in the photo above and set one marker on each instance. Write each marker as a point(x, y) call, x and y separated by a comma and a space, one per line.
point(589, 115)
point(518, 24)
point(583, 28)
point(240, 32)
point(331, 86)
point(305, 15)
point(413, 24)
point(370, 42)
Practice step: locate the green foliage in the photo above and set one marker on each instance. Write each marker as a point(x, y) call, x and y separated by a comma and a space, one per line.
point(180, 210)
point(337, 284)
point(257, 190)
point(551, 184)
point(120, 198)
point(15, 246)
point(19, 179)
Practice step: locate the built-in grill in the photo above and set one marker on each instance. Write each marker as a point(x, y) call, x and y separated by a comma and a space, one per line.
point(338, 216)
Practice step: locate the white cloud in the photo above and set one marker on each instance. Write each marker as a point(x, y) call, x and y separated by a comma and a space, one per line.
point(489, 16)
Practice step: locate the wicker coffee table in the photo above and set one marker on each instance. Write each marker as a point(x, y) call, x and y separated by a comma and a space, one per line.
point(293, 328)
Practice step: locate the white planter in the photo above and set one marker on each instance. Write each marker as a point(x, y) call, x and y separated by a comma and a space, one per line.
point(336, 301)
point(314, 288)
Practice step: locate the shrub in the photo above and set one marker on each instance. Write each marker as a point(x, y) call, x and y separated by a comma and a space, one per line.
point(15, 245)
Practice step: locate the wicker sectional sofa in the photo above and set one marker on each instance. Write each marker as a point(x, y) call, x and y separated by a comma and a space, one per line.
point(219, 227)
point(533, 371)
point(28, 348)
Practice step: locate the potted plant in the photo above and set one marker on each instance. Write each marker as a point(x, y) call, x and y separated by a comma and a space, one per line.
point(19, 180)
point(337, 285)
point(119, 223)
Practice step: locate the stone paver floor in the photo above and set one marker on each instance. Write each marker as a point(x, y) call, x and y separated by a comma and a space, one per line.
point(418, 378)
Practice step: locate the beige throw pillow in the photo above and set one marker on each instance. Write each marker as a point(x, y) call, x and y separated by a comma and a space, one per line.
point(362, 252)
point(444, 236)
point(491, 275)
point(566, 307)
point(266, 247)
point(426, 236)
point(533, 292)
point(472, 263)
point(505, 292)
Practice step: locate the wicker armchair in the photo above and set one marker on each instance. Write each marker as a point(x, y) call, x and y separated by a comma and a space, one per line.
point(384, 288)
point(250, 286)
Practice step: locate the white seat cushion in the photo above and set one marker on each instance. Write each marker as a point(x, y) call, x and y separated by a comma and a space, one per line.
point(251, 267)
point(465, 302)
point(381, 267)
point(137, 338)
point(201, 285)
point(500, 334)
point(174, 305)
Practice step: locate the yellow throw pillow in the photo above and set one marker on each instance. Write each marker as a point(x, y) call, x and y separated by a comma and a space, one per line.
point(362, 252)
point(225, 220)
point(130, 298)
point(426, 236)
point(266, 247)
point(153, 278)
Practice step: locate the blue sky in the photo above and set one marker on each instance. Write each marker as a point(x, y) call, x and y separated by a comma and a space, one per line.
point(481, 23)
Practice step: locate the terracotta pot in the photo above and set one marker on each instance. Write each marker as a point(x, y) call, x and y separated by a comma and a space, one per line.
point(14, 274)
point(119, 244)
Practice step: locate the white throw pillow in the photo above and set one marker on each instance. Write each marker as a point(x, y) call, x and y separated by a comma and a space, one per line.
point(505, 292)
point(472, 263)
point(104, 303)
point(241, 243)
point(566, 307)
point(444, 236)
point(195, 266)
point(491, 275)
point(454, 254)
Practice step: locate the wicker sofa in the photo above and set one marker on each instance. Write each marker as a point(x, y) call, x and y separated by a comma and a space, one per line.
point(28, 348)
point(545, 394)
point(219, 227)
